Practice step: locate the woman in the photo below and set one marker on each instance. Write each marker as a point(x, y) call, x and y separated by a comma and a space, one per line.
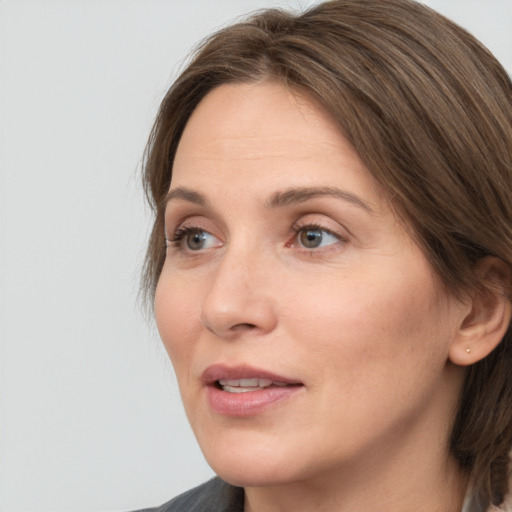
point(331, 261)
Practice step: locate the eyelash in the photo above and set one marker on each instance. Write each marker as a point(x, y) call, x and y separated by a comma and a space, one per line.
point(311, 226)
point(182, 232)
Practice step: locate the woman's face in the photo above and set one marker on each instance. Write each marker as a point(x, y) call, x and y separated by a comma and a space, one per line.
point(288, 275)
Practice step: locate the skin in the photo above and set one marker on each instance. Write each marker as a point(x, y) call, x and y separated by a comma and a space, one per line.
point(361, 320)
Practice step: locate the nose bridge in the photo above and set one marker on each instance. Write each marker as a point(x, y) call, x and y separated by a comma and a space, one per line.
point(239, 298)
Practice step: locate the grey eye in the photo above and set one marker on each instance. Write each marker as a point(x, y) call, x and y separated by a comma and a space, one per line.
point(196, 240)
point(311, 238)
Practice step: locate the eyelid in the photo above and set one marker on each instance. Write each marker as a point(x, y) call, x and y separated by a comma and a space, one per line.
point(338, 231)
point(303, 225)
point(181, 212)
point(177, 239)
point(175, 222)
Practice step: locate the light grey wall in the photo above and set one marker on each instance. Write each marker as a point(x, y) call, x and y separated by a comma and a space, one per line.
point(90, 418)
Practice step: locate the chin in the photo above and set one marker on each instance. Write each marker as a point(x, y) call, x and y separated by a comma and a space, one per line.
point(258, 476)
point(250, 466)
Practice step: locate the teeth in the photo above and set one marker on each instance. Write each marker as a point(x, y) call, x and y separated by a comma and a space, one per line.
point(238, 389)
point(244, 385)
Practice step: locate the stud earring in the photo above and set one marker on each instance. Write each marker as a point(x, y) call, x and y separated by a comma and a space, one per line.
point(468, 350)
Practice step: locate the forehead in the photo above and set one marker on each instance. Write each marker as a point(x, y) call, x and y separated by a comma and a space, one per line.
point(268, 109)
point(264, 130)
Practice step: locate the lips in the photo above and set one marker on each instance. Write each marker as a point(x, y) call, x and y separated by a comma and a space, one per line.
point(246, 391)
point(219, 372)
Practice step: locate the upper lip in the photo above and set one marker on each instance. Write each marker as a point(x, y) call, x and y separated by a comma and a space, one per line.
point(220, 371)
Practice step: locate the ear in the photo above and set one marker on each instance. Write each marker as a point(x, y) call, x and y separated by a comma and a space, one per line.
point(483, 328)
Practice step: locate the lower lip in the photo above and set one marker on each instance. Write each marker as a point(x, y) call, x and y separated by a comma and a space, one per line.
point(249, 403)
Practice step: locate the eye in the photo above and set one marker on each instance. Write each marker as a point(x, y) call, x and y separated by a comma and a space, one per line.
point(193, 239)
point(314, 237)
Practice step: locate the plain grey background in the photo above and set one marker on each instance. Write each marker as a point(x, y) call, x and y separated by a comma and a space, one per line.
point(90, 417)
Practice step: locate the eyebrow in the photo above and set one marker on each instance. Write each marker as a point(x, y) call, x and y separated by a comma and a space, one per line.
point(186, 194)
point(303, 194)
point(277, 200)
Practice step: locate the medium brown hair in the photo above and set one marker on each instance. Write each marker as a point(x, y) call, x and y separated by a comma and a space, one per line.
point(429, 110)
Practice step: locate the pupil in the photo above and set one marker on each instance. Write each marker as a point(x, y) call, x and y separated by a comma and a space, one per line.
point(311, 238)
point(195, 241)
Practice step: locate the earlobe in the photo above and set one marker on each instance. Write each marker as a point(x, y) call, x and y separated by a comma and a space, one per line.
point(488, 319)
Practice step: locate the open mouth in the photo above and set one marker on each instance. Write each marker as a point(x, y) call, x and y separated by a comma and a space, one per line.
point(243, 391)
point(248, 385)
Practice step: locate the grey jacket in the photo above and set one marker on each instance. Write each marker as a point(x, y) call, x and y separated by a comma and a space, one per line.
point(218, 496)
point(213, 496)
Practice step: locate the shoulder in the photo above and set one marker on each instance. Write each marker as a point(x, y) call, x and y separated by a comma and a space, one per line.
point(212, 496)
point(506, 506)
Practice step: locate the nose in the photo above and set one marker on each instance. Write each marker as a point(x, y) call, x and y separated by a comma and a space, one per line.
point(240, 298)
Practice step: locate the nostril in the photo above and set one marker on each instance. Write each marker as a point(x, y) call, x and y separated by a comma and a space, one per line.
point(243, 326)
point(234, 328)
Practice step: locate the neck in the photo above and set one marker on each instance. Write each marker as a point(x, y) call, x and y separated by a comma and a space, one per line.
point(378, 486)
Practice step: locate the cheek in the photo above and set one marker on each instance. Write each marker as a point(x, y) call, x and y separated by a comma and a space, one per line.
point(176, 313)
point(372, 322)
